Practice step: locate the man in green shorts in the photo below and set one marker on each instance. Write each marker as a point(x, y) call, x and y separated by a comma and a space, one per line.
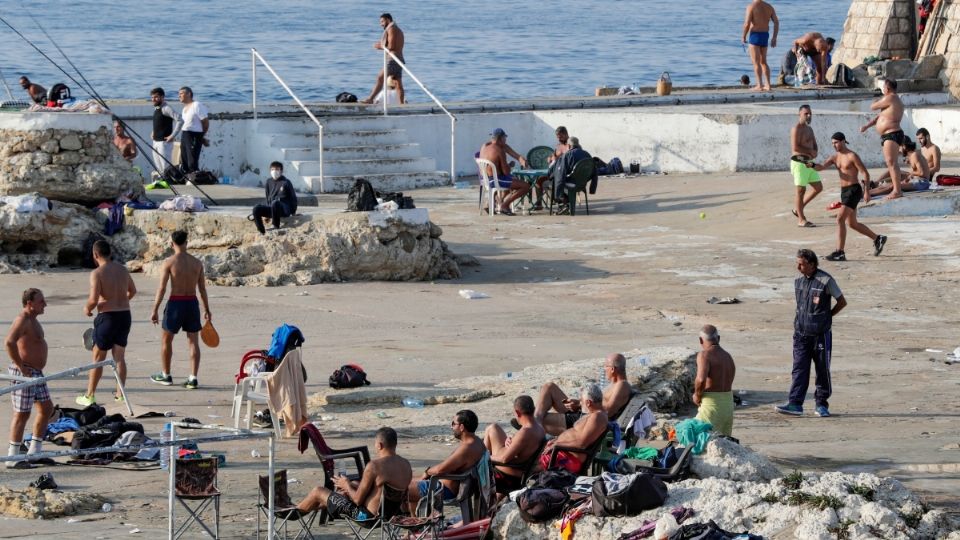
point(803, 150)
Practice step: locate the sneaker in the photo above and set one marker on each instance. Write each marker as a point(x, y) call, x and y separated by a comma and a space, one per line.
point(790, 408)
point(118, 398)
point(190, 384)
point(878, 244)
point(85, 401)
point(160, 379)
point(823, 412)
point(836, 256)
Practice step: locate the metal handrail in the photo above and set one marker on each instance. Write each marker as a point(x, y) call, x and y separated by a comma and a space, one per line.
point(253, 60)
point(453, 119)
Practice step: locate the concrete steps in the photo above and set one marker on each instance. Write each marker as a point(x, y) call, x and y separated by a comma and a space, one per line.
point(380, 182)
point(407, 150)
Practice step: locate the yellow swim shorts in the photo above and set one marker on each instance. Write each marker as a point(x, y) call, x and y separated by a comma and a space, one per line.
point(717, 409)
point(803, 175)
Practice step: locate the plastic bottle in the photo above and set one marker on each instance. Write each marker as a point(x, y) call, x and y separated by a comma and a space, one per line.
point(165, 450)
point(602, 379)
point(412, 403)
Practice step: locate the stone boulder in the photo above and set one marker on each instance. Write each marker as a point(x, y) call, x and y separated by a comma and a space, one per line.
point(32, 503)
point(44, 239)
point(726, 459)
point(65, 164)
point(311, 248)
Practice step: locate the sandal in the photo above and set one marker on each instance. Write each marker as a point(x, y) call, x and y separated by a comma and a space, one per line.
point(506, 212)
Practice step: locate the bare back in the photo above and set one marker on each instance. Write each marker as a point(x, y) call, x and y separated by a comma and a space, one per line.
point(393, 471)
point(186, 272)
point(802, 141)
point(918, 165)
point(808, 42)
point(494, 152)
point(393, 40)
point(759, 15)
point(27, 335)
point(112, 286)
point(585, 431)
point(720, 369)
point(891, 113)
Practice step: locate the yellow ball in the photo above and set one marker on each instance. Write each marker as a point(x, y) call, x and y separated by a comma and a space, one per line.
point(703, 215)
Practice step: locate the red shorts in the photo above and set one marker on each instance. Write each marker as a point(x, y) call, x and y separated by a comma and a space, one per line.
point(565, 460)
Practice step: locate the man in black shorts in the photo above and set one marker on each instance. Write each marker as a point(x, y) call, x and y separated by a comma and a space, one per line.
point(392, 40)
point(849, 166)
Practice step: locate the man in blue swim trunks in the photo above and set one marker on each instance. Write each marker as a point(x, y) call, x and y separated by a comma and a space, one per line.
point(111, 289)
point(185, 273)
point(465, 456)
point(495, 150)
point(756, 32)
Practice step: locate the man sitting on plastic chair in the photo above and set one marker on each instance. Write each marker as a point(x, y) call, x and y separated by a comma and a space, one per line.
point(495, 150)
point(562, 168)
point(361, 500)
point(464, 457)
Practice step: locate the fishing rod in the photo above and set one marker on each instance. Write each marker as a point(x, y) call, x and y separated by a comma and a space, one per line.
point(93, 93)
point(9, 93)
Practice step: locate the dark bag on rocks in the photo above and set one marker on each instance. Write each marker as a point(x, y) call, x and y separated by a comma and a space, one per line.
point(397, 197)
point(86, 416)
point(202, 178)
point(542, 504)
point(348, 376)
point(346, 97)
point(173, 175)
point(708, 531)
point(553, 479)
point(362, 197)
point(642, 493)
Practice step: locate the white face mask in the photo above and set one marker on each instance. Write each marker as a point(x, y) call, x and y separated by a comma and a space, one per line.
point(275, 174)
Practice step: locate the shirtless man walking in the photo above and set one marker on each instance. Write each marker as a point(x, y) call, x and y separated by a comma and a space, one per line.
point(931, 152)
point(27, 350)
point(713, 387)
point(849, 166)
point(185, 273)
point(756, 32)
point(803, 148)
point(111, 289)
point(392, 40)
point(891, 134)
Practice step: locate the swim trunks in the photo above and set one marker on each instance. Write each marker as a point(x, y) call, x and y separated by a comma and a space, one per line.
point(895, 136)
point(393, 68)
point(111, 329)
point(182, 312)
point(505, 483)
point(424, 485)
point(850, 196)
point(339, 505)
point(759, 39)
point(23, 398)
point(803, 175)
point(565, 460)
point(504, 181)
point(716, 408)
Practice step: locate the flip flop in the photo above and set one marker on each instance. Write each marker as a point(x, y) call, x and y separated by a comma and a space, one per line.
point(794, 212)
point(834, 205)
point(806, 224)
point(506, 212)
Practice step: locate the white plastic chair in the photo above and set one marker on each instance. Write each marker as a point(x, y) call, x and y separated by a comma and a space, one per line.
point(488, 184)
point(253, 389)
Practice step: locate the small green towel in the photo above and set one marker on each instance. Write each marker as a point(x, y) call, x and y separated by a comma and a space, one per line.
point(642, 452)
point(695, 433)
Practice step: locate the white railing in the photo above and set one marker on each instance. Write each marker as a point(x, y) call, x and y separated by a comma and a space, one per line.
point(453, 119)
point(253, 61)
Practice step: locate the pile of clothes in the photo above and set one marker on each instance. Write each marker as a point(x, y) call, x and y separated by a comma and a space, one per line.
point(93, 428)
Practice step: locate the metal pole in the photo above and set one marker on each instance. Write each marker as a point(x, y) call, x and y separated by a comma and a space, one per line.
point(320, 148)
point(171, 482)
point(384, 81)
point(123, 392)
point(271, 508)
point(72, 372)
point(453, 150)
point(253, 63)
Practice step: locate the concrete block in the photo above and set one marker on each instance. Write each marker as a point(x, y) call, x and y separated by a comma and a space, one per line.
point(928, 67)
point(902, 9)
point(898, 42)
point(898, 69)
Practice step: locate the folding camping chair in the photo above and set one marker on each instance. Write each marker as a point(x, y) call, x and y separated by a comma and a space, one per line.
point(196, 483)
point(392, 502)
point(284, 511)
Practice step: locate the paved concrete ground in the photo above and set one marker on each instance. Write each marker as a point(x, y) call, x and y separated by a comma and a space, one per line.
point(635, 273)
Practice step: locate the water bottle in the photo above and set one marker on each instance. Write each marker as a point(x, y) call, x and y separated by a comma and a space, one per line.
point(602, 379)
point(165, 450)
point(412, 403)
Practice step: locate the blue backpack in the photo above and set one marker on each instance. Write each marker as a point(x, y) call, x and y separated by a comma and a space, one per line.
point(285, 338)
point(614, 166)
point(114, 222)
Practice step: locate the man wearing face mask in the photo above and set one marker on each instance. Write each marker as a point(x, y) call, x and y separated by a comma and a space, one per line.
point(281, 199)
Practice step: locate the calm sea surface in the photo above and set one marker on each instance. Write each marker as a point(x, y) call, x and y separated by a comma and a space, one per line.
point(460, 50)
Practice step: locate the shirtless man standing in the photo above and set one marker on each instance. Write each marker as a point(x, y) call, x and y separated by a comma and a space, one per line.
point(756, 32)
point(27, 349)
point(495, 150)
point(888, 126)
point(568, 411)
point(185, 273)
point(931, 152)
point(849, 166)
point(111, 289)
point(392, 40)
point(361, 500)
point(514, 450)
point(803, 147)
point(713, 387)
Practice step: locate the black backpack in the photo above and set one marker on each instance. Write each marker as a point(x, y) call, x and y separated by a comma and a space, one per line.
point(397, 197)
point(362, 197)
point(843, 77)
point(542, 504)
point(346, 97)
point(552, 479)
point(201, 178)
point(348, 376)
point(644, 492)
point(173, 175)
point(707, 531)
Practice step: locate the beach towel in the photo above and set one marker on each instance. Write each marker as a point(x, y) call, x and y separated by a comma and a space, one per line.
point(287, 393)
point(695, 433)
point(716, 408)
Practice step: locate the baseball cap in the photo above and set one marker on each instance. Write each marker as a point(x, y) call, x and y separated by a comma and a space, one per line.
point(499, 132)
point(839, 136)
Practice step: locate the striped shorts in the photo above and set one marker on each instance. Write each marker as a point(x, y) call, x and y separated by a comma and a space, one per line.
point(24, 398)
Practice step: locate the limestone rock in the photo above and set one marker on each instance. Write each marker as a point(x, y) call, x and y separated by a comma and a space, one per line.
point(52, 238)
point(724, 458)
point(32, 503)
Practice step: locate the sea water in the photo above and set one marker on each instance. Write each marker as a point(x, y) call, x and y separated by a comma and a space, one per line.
point(460, 50)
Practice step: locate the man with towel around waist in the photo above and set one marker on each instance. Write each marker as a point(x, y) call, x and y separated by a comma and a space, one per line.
point(185, 273)
point(756, 32)
point(713, 387)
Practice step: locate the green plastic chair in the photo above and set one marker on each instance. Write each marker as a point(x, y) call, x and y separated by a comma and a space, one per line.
point(537, 157)
point(576, 182)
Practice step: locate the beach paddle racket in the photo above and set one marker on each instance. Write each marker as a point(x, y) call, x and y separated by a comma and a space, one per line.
point(209, 335)
point(88, 339)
